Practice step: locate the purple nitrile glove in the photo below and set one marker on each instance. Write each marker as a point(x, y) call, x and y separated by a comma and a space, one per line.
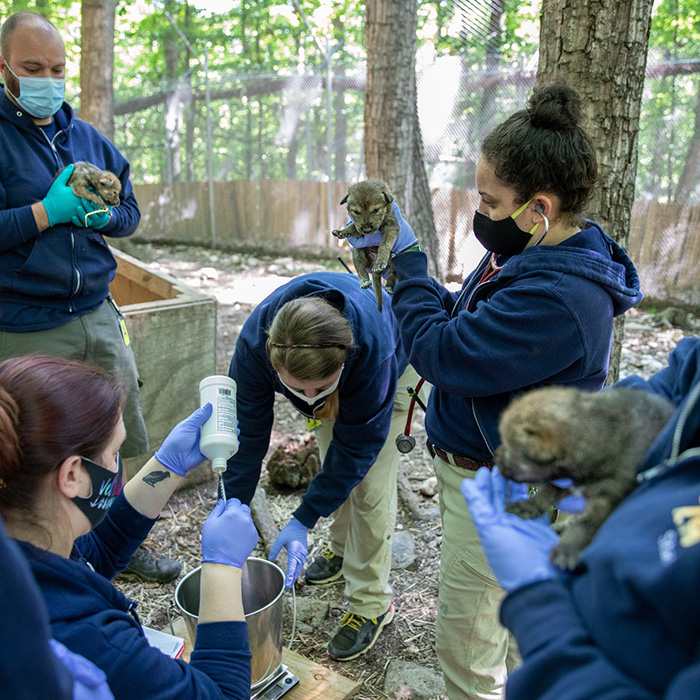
point(90, 215)
point(517, 550)
point(89, 681)
point(405, 239)
point(293, 537)
point(180, 450)
point(569, 504)
point(228, 534)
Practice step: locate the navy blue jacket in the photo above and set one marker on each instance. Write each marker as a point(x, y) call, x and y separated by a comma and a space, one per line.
point(366, 392)
point(626, 623)
point(545, 318)
point(94, 619)
point(28, 668)
point(50, 278)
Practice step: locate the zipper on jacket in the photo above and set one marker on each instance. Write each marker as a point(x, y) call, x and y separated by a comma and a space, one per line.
point(74, 265)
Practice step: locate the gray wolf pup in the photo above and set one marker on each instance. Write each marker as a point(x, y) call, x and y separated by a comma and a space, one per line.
point(596, 439)
point(369, 206)
point(106, 185)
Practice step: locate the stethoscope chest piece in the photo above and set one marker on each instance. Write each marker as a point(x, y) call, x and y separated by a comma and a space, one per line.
point(405, 443)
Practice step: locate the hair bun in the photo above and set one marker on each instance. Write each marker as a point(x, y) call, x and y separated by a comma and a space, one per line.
point(554, 106)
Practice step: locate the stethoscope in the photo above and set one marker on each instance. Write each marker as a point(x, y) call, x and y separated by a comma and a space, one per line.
point(405, 442)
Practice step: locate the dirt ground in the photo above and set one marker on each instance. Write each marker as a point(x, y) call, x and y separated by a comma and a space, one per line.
point(239, 282)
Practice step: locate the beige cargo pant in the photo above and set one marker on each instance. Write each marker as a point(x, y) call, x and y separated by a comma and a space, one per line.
point(97, 338)
point(363, 527)
point(474, 650)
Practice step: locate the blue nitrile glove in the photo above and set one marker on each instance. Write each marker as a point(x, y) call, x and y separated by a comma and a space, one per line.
point(228, 534)
point(89, 681)
point(60, 202)
point(180, 450)
point(517, 550)
point(405, 239)
point(293, 537)
point(89, 215)
point(569, 504)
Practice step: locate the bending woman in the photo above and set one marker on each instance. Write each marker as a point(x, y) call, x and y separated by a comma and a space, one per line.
point(61, 498)
point(320, 342)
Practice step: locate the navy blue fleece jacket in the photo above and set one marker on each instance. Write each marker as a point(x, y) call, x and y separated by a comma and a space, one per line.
point(545, 318)
point(366, 392)
point(625, 625)
point(49, 278)
point(94, 619)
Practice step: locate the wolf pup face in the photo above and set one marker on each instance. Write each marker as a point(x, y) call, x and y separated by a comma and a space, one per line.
point(368, 202)
point(109, 187)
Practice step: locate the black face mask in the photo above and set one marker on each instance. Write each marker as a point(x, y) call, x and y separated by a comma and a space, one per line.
point(106, 486)
point(503, 237)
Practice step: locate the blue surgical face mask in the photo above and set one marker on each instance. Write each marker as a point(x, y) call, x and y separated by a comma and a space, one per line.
point(106, 486)
point(41, 97)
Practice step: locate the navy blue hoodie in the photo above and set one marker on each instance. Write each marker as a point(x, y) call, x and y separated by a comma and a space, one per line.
point(545, 318)
point(49, 278)
point(28, 668)
point(366, 392)
point(94, 619)
point(626, 623)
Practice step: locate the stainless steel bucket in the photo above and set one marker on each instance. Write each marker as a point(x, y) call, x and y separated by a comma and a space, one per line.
point(262, 586)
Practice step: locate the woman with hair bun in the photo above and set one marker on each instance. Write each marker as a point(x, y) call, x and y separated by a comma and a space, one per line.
point(62, 500)
point(537, 310)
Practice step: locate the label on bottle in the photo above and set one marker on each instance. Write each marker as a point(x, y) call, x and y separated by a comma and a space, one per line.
point(225, 411)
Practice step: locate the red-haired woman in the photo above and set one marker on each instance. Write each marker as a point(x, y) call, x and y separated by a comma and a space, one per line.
point(62, 500)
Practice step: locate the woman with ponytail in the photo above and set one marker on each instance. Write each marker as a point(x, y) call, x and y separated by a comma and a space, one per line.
point(62, 501)
point(320, 341)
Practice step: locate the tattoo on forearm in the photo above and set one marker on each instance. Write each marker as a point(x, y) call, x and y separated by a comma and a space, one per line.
point(155, 476)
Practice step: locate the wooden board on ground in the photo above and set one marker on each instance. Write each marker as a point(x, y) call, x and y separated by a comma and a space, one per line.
point(315, 681)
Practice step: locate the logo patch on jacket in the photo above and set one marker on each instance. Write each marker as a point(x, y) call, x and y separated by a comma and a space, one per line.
point(687, 522)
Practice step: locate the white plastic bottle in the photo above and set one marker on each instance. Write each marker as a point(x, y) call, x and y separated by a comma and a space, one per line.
point(219, 435)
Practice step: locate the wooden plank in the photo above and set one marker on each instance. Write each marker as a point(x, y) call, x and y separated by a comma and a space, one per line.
point(315, 681)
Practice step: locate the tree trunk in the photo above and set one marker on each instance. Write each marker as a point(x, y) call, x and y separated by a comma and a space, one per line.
point(600, 48)
point(97, 65)
point(390, 97)
point(393, 146)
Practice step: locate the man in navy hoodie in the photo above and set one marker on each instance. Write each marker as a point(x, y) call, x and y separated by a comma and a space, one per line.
point(55, 265)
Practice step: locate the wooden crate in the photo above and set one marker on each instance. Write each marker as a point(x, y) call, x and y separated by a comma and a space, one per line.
point(173, 334)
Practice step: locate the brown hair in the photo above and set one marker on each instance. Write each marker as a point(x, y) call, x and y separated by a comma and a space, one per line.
point(543, 148)
point(309, 338)
point(50, 409)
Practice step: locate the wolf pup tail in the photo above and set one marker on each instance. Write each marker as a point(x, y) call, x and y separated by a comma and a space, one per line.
point(377, 285)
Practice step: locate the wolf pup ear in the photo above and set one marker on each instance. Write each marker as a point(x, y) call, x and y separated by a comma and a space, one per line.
point(388, 197)
point(344, 199)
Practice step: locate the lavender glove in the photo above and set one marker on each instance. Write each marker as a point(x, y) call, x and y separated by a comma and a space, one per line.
point(180, 450)
point(517, 550)
point(293, 538)
point(228, 534)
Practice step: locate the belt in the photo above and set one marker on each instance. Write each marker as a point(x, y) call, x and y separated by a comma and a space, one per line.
point(456, 460)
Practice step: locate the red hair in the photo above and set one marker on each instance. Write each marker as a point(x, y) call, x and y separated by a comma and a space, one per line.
point(50, 409)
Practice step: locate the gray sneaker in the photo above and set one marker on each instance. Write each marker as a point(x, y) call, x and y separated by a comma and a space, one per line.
point(326, 567)
point(357, 634)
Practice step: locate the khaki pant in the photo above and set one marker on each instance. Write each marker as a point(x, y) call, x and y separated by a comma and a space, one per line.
point(474, 650)
point(362, 528)
point(96, 338)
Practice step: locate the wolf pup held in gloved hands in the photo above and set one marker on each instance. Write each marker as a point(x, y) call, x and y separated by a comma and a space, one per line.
point(596, 439)
point(369, 205)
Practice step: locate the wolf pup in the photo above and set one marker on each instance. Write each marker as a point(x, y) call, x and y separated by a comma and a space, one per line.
point(369, 206)
point(104, 183)
point(595, 439)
